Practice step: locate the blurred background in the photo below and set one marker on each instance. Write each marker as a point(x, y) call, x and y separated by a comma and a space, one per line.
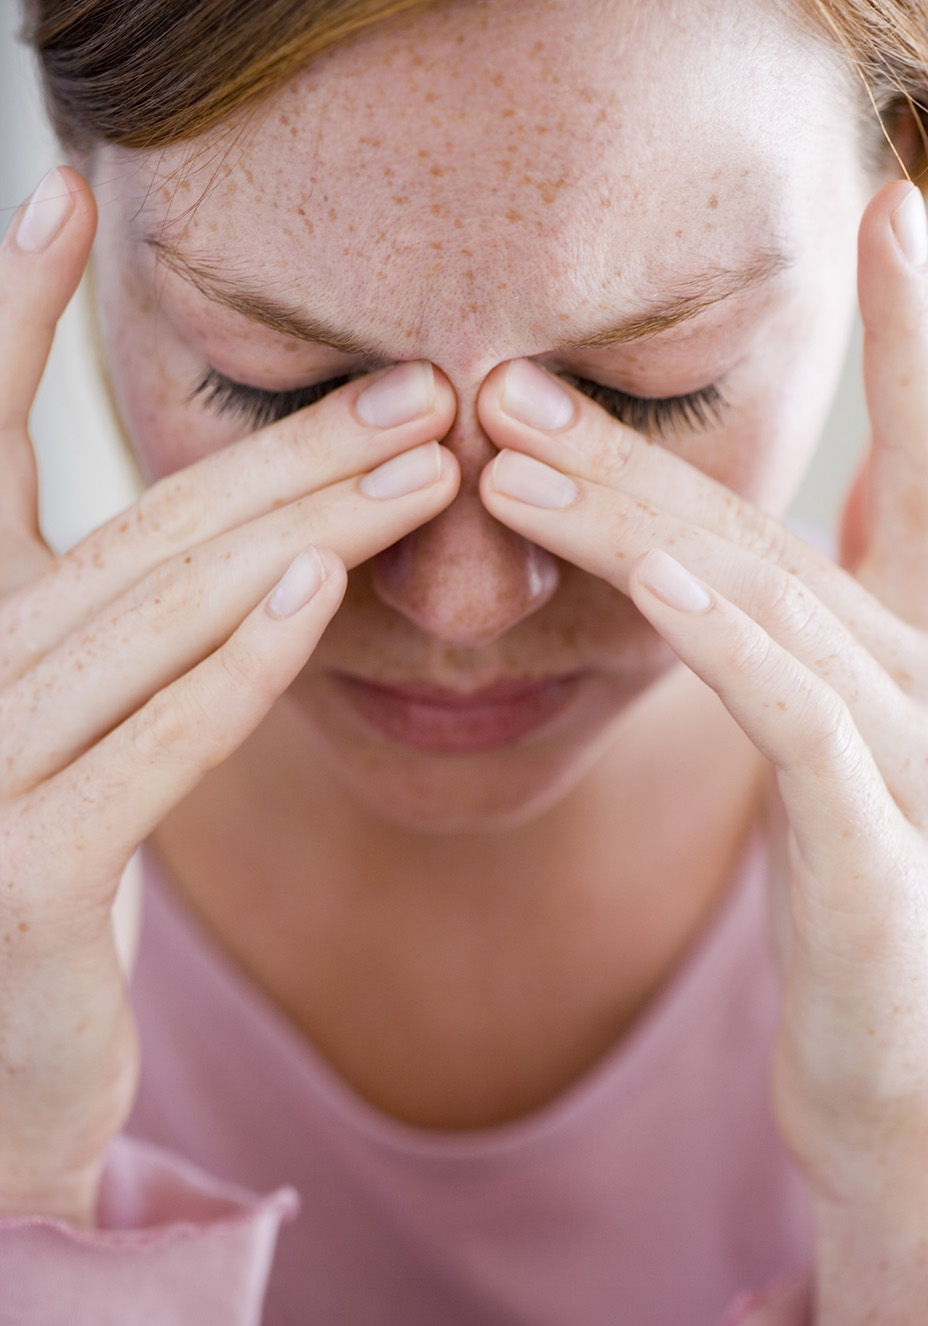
point(84, 472)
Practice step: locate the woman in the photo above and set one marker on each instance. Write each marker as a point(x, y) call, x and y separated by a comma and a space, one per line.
point(528, 315)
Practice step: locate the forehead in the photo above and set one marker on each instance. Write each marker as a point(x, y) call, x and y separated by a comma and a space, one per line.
point(514, 162)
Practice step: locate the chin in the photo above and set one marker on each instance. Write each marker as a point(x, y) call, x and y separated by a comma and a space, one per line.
point(452, 791)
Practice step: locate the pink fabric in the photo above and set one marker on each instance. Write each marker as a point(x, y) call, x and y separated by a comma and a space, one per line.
point(173, 1246)
point(654, 1191)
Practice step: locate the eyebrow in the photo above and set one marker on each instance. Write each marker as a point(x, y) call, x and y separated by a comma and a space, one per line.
point(687, 300)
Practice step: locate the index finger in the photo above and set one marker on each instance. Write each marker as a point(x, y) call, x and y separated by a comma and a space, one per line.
point(893, 288)
point(41, 260)
point(593, 446)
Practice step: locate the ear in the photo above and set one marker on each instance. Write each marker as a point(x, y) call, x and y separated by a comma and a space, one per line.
point(853, 533)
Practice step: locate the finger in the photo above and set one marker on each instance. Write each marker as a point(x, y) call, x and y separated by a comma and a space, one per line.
point(893, 286)
point(128, 782)
point(604, 532)
point(106, 671)
point(41, 261)
point(592, 445)
point(848, 831)
point(345, 434)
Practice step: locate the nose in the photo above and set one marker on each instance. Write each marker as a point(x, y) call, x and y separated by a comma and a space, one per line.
point(464, 578)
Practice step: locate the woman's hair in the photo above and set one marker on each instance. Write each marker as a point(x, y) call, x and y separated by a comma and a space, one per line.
point(145, 73)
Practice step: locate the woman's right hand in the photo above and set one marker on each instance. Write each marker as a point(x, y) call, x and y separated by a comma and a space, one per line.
point(136, 662)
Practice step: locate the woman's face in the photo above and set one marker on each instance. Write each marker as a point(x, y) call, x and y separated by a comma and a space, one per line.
point(489, 181)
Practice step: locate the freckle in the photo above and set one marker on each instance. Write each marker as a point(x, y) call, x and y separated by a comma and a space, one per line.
point(435, 209)
point(537, 49)
point(23, 926)
point(507, 114)
point(714, 201)
point(496, 80)
point(781, 704)
point(679, 234)
point(437, 244)
point(513, 215)
point(401, 199)
point(549, 189)
point(503, 285)
point(436, 170)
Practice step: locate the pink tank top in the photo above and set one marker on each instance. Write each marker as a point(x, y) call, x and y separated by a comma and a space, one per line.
point(650, 1193)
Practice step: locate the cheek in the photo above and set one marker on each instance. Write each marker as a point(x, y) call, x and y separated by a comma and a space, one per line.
point(760, 456)
point(780, 403)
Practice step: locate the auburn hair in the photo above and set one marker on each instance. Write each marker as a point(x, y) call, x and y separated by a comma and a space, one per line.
point(145, 73)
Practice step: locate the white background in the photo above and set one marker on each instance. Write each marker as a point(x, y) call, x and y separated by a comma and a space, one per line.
point(84, 475)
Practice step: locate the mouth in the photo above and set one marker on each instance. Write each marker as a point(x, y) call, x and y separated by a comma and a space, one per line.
point(446, 721)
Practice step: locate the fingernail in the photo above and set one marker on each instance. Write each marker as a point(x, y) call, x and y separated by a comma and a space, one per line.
point(529, 480)
point(404, 474)
point(44, 218)
point(672, 583)
point(534, 398)
point(298, 584)
point(405, 393)
point(910, 226)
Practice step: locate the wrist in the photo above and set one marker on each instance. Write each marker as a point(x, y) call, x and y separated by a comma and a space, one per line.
point(71, 1199)
point(872, 1261)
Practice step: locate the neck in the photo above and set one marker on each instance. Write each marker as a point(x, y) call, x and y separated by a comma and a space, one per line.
point(570, 924)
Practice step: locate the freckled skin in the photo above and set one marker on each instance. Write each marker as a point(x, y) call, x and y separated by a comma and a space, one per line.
point(468, 210)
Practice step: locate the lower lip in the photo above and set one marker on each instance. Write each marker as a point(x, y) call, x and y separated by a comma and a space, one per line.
point(458, 724)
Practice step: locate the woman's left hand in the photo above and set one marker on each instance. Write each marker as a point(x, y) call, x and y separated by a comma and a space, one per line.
point(827, 673)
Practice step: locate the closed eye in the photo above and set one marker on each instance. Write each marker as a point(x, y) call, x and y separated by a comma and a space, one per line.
point(652, 416)
point(656, 416)
point(257, 406)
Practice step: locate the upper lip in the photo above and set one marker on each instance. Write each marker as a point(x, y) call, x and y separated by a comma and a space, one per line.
point(504, 691)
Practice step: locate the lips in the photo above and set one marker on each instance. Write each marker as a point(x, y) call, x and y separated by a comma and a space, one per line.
point(438, 719)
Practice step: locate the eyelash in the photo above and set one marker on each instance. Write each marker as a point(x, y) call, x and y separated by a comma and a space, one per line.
point(653, 416)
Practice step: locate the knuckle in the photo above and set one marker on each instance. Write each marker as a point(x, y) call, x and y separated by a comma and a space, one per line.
point(761, 535)
point(161, 725)
point(178, 580)
point(614, 451)
point(246, 670)
point(827, 732)
point(299, 436)
point(166, 515)
point(750, 653)
point(789, 605)
point(239, 666)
